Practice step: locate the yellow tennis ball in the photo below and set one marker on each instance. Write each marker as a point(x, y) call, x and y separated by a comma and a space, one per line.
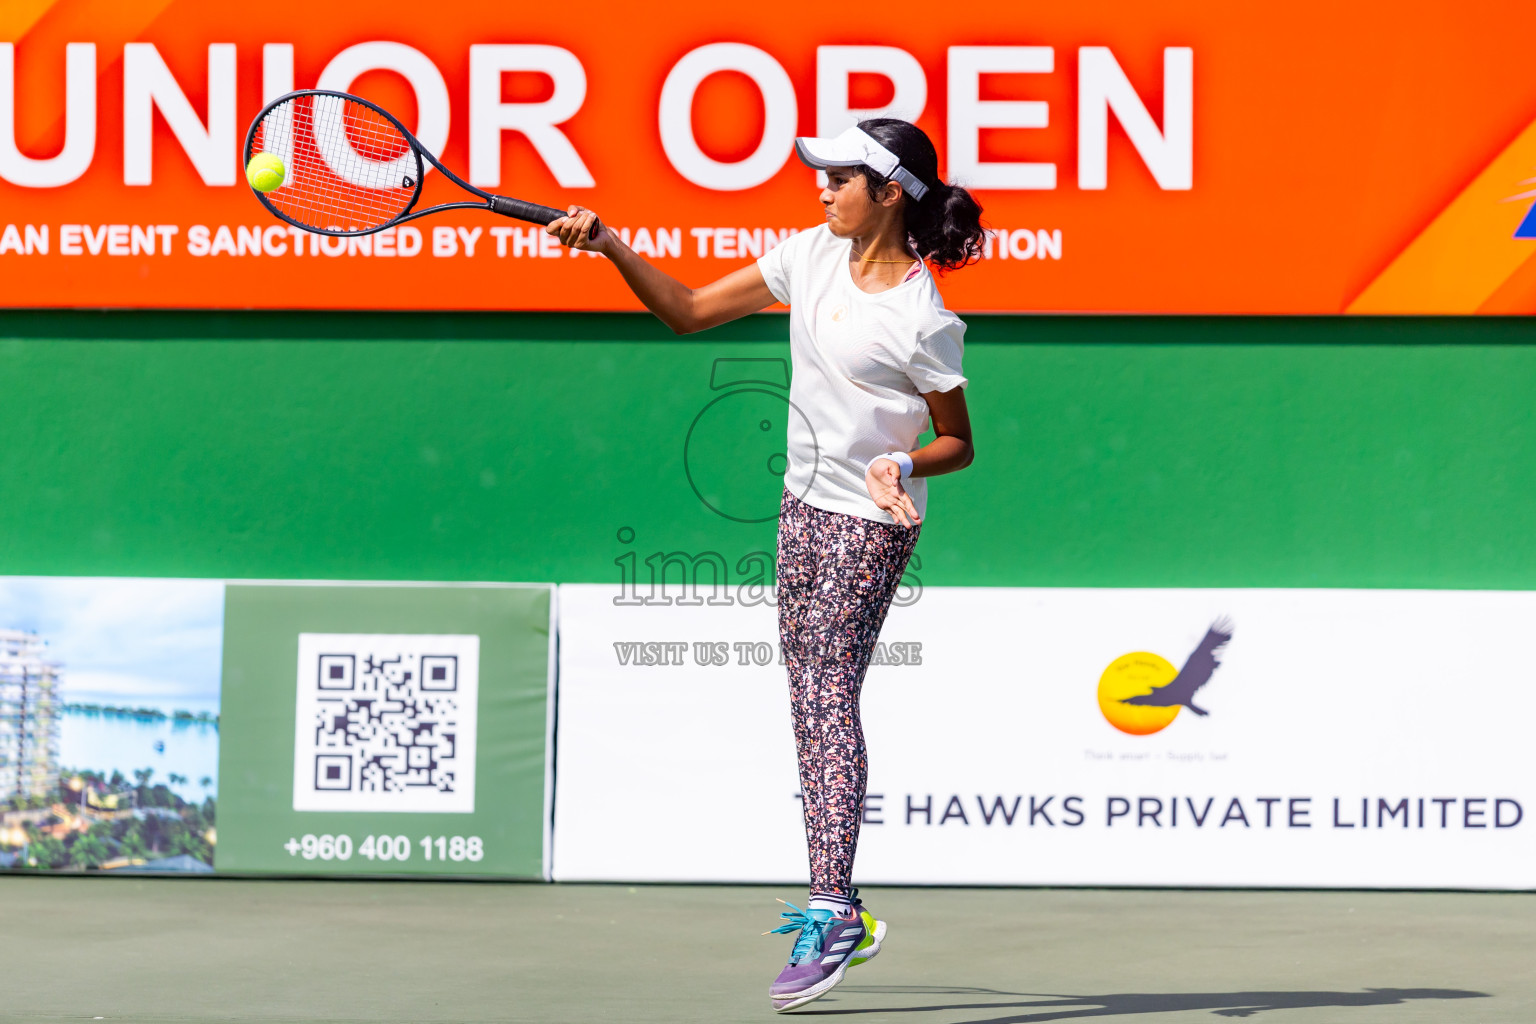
point(265, 172)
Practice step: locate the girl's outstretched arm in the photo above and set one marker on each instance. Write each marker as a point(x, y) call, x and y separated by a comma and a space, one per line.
point(681, 308)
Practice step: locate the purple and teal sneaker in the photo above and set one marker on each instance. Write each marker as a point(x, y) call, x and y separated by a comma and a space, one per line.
point(821, 955)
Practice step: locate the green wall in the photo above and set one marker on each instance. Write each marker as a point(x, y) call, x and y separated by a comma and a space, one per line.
point(1111, 451)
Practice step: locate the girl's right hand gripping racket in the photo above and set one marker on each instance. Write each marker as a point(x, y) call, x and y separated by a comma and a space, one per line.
point(351, 168)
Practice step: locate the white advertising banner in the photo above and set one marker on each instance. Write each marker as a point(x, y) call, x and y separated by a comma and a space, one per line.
point(1309, 738)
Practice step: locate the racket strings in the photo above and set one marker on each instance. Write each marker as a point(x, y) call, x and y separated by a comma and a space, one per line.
point(347, 167)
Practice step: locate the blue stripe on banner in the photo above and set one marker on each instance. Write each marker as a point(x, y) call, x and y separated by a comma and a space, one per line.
point(1527, 228)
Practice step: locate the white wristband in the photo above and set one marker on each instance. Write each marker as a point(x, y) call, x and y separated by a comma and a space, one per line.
point(901, 459)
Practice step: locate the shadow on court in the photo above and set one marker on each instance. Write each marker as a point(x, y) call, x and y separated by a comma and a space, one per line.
point(1038, 1007)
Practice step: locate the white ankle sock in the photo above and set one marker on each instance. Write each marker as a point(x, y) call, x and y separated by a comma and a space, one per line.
point(829, 901)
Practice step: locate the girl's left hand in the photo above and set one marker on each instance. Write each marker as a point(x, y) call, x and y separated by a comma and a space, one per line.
point(883, 481)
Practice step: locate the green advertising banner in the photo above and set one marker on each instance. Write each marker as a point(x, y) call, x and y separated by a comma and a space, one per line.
point(378, 729)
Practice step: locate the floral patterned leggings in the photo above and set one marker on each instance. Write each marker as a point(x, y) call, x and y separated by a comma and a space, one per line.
point(837, 574)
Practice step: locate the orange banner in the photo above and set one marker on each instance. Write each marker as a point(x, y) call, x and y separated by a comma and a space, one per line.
point(1184, 157)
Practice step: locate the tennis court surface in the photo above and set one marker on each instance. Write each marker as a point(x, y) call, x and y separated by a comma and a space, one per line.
point(156, 950)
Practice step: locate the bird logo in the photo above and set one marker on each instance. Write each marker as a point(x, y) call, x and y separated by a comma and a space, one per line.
point(1141, 693)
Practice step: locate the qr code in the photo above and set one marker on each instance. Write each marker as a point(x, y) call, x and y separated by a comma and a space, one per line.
point(386, 722)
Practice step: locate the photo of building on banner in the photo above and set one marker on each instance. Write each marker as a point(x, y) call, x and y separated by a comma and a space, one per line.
point(109, 724)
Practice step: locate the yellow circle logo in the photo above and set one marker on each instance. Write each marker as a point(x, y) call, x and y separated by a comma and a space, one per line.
point(1141, 693)
point(1133, 675)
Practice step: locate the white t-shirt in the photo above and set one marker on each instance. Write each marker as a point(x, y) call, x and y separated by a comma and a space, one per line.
point(862, 362)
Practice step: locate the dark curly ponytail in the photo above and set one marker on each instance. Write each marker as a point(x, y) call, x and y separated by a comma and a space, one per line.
point(945, 225)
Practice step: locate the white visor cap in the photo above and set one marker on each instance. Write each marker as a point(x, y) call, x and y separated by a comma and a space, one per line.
point(856, 146)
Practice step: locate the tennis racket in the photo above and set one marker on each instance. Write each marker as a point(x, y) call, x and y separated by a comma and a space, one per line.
point(351, 168)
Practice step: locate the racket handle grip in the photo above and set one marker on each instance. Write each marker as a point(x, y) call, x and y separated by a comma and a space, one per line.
point(519, 210)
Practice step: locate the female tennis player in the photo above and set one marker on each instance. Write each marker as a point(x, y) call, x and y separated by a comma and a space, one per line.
point(876, 356)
